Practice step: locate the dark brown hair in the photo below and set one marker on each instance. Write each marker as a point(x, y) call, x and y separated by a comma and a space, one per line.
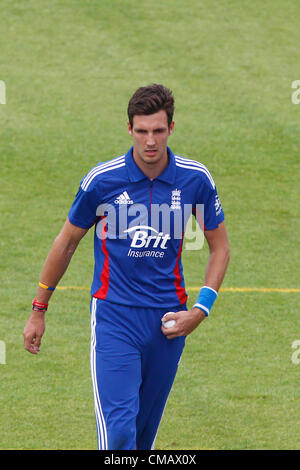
point(149, 100)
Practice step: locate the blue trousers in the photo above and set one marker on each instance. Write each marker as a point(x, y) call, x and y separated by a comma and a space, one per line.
point(133, 367)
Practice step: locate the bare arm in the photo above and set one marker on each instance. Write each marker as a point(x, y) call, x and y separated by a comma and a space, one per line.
point(218, 243)
point(54, 268)
point(219, 256)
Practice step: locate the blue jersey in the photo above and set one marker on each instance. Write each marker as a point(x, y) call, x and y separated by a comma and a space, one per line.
point(140, 225)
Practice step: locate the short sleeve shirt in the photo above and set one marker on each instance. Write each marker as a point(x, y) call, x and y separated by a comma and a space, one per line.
point(140, 227)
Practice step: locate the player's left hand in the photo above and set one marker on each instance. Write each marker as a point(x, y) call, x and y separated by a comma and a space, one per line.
point(186, 322)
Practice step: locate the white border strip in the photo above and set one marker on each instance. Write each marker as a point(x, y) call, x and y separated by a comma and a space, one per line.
point(100, 422)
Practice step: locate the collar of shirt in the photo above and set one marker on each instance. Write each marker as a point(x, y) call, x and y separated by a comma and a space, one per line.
point(135, 173)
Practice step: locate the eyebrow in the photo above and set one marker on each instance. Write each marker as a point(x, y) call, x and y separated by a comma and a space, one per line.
point(157, 129)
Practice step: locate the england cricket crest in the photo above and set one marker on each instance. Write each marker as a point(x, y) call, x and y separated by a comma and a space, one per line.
point(176, 199)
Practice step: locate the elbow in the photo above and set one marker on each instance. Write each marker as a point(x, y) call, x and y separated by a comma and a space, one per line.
point(222, 254)
point(71, 248)
point(227, 249)
point(227, 253)
point(66, 246)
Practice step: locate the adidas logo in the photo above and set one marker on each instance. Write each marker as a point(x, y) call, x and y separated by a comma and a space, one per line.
point(123, 199)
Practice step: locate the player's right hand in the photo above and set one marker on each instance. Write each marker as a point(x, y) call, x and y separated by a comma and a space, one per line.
point(34, 331)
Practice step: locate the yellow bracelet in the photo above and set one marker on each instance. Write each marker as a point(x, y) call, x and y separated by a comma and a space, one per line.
point(46, 287)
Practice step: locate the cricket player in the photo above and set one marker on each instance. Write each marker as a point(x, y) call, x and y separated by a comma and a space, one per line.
point(139, 204)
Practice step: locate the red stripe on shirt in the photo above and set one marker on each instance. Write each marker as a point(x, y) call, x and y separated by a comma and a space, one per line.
point(104, 277)
point(180, 290)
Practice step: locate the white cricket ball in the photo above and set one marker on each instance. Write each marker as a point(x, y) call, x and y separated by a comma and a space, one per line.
point(169, 323)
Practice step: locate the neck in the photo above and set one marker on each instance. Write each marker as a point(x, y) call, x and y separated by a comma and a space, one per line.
point(151, 169)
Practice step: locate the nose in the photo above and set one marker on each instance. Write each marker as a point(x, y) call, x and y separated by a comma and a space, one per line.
point(150, 139)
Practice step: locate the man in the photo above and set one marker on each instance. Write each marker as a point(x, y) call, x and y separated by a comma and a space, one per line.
point(138, 276)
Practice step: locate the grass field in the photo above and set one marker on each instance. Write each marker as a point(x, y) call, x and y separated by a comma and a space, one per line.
point(70, 68)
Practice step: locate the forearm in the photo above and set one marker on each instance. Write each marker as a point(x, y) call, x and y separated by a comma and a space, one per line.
point(219, 255)
point(55, 266)
point(216, 267)
point(59, 258)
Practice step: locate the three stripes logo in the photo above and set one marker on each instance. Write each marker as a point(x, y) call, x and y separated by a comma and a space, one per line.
point(123, 199)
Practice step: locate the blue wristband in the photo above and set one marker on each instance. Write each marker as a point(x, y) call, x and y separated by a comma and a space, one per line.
point(206, 299)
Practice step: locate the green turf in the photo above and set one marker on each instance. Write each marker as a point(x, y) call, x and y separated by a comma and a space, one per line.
point(70, 68)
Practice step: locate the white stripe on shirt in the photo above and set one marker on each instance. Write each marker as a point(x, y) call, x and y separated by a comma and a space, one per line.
point(194, 165)
point(101, 169)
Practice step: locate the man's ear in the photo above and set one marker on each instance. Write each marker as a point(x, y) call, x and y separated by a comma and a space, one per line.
point(171, 128)
point(129, 128)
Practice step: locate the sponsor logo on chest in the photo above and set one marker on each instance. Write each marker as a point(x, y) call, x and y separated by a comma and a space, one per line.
point(123, 199)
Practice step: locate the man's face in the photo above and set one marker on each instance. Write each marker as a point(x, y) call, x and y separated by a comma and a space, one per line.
point(150, 135)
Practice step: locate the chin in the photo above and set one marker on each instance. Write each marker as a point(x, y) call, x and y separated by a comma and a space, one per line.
point(151, 160)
